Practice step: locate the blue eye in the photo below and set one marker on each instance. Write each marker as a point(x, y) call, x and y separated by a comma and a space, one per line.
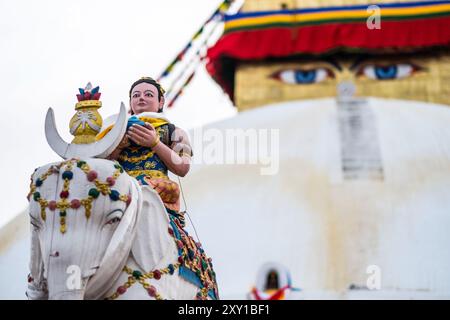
point(383, 73)
point(307, 76)
point(389, 72)
point(299, 76)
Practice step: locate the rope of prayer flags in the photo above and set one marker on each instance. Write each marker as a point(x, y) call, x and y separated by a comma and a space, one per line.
point(222, 7)
point(180, 92)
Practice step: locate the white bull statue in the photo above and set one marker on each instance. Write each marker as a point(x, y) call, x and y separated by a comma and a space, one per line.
point(98, 234)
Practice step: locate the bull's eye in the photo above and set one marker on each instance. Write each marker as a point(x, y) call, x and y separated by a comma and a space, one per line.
point(303, 76)
point(113, 220)
point(388, 72)
point(114, 217)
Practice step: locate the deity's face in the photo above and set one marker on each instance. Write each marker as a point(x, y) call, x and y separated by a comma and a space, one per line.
point(144, 98)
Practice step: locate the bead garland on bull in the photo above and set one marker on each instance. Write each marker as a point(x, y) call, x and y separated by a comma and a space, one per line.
point(191, 257)
point(99, 187)
point(84, 125)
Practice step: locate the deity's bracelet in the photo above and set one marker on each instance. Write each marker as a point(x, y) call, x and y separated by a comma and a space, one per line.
point(155, 143)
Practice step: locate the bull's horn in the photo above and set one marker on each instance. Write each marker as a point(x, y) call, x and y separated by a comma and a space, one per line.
point(98, 149)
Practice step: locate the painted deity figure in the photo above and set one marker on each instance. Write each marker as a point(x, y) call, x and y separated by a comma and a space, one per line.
point(152, 145)
point(150, 148)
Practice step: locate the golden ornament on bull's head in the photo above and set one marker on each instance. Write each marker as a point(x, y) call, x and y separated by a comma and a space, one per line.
point(87, 121)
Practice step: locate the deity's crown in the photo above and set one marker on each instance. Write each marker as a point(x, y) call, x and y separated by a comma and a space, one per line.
point(89, 97)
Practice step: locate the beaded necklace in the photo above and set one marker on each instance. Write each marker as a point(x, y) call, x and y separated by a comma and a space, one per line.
point(63, 204)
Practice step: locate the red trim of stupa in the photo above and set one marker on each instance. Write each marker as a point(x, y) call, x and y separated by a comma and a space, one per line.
point(278, 42)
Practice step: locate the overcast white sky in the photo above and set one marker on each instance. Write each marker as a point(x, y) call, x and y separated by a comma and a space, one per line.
point(50, 48)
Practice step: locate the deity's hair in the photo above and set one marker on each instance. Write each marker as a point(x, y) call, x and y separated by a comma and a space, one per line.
point(152, 81)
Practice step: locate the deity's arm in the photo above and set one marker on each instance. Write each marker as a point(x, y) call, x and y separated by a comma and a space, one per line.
point(177, 157)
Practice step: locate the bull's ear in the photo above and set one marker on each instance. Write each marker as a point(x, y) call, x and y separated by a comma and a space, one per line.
point(153, 242)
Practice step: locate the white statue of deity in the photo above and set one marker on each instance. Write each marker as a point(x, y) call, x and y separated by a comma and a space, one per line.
point(98, 233)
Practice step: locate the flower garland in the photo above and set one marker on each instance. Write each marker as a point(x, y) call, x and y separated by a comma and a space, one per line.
point(188, 258)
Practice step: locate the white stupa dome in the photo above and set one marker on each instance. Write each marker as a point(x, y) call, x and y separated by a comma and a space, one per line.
point(361, 189)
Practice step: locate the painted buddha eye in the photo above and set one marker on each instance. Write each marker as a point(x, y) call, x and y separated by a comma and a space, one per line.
point(388, 72)
point(303, 76)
